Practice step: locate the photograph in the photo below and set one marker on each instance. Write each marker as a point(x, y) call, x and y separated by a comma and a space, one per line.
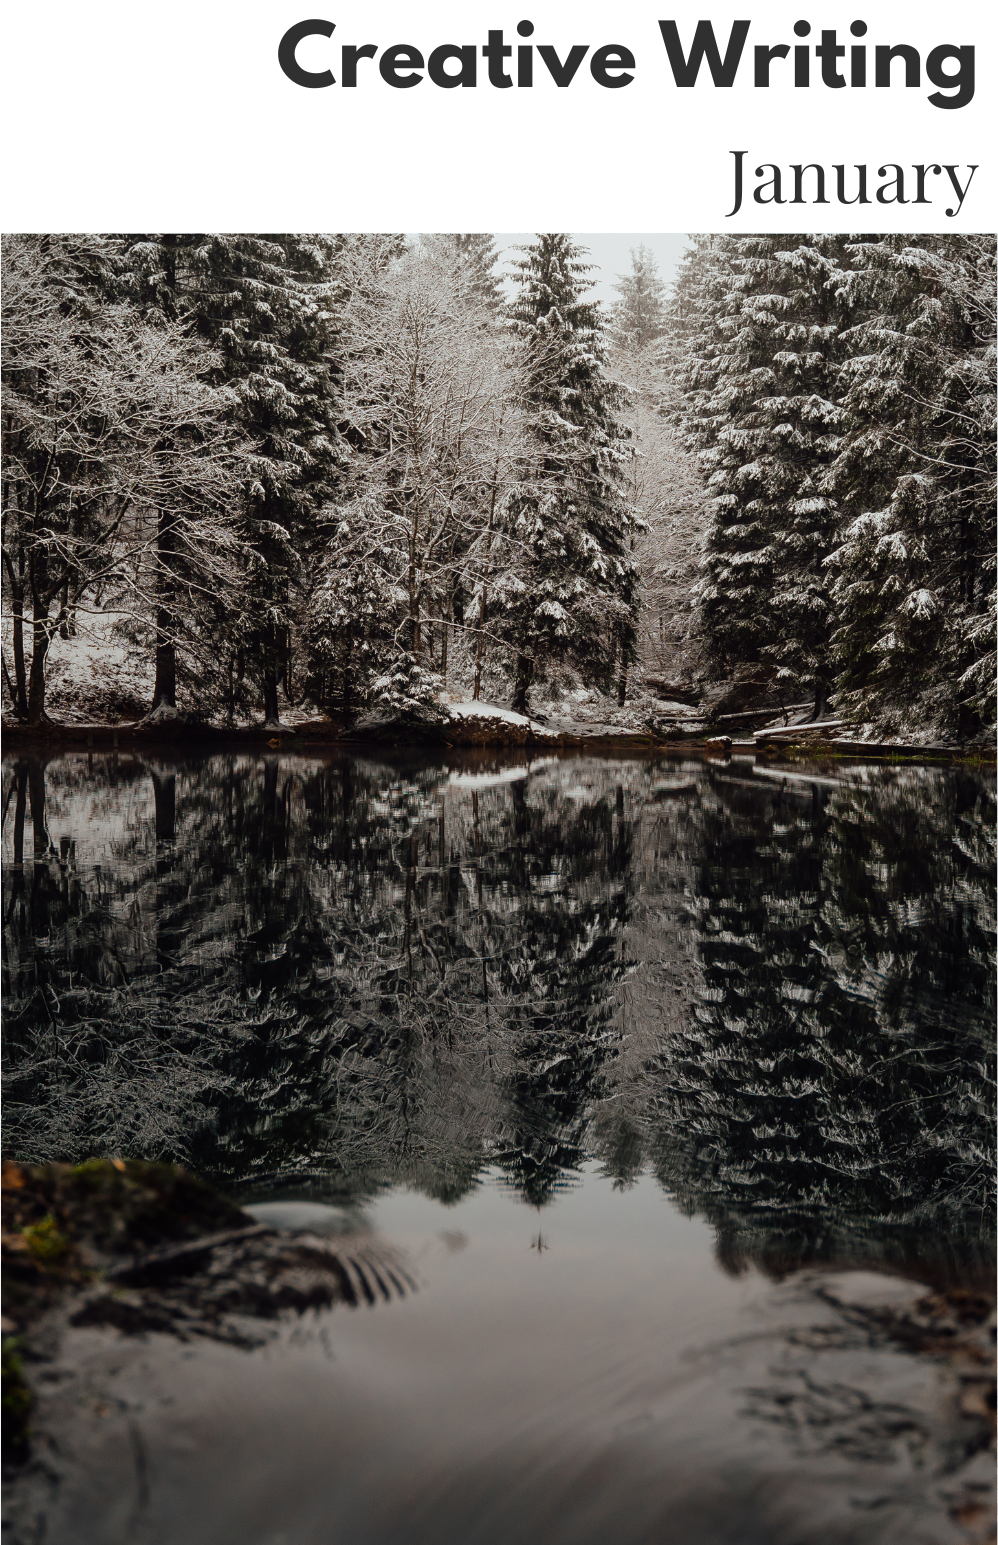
point(499, 805)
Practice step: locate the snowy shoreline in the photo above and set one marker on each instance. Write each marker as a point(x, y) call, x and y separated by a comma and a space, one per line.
point(495, 731)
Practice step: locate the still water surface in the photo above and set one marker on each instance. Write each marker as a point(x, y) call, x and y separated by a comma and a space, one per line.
point(670, 1079)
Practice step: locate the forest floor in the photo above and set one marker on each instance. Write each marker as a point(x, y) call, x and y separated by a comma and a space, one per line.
point(100, 683)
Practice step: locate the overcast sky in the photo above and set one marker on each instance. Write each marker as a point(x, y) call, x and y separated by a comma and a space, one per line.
point(611, 255)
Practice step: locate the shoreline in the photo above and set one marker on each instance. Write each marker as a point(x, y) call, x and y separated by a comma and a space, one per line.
point(326, 736)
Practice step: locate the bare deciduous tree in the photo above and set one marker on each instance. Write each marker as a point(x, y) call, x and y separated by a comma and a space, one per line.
point(109, 431)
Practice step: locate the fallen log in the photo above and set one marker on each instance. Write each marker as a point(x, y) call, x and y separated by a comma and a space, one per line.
point(788, 731)
point(758, 713)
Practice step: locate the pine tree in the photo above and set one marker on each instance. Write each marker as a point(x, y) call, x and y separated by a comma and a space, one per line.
point(763, 353)
point(572, 596)
point(264, 303)
point(915, 585)
point(662, 486)
point(639, 317)
point(475, 258)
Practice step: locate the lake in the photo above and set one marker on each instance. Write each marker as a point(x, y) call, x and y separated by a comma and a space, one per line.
point(670, 1078)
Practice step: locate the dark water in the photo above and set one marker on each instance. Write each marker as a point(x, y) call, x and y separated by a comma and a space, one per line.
point(674, 1080)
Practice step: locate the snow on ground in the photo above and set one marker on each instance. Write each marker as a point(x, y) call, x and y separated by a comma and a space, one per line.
point(572, 710)
point(100, 675)
point(95, 675)
point(476, 710)
point(641, 712)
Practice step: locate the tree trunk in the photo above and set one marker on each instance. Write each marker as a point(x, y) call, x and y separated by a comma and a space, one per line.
point(16, 577)
point(20, 675)
point(164, 696)
point(622, 687)
point(271, 709)
point(524, 677)
point(271, 671)
point(64, 611)
point(820, 699)
point(485, 584)
point(40, 635)
point(479, 651)
point(346, 682)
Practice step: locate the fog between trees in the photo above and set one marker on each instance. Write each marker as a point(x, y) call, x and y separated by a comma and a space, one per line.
point(251, 475)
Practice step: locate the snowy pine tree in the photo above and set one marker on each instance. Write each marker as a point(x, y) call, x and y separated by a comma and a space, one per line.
point(572, 595)
point(474, 256)
point(638, 319)
point(764, 348)
point(264, 303)
point(662, 483)
point(430, 375)
point(915, 585)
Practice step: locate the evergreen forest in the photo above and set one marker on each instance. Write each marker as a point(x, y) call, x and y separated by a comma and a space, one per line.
point(253, 478)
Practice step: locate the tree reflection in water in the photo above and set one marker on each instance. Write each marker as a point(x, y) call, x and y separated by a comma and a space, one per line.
point(333, 975)
point(829, 1096)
